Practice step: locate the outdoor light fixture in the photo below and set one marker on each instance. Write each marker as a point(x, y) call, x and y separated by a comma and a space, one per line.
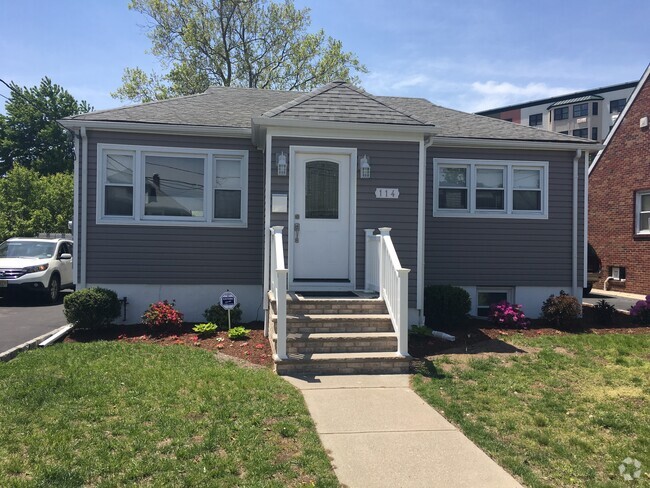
point(364, 167)
point(282, 164)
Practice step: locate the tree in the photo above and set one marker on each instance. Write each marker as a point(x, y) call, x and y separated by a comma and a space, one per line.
point(31, 203)
point(29, 134)
point(250, 43)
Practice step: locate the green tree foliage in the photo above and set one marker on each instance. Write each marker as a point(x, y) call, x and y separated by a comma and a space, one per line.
point(31, 203)
point(29, 135)
point(250, 43)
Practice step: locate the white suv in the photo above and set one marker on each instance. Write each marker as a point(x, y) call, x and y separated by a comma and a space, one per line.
point(36, 265)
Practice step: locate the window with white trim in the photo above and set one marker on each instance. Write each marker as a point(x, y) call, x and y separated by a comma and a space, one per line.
point(171, 186)
point(479, 188)
point(643, 212)
point(488, 296)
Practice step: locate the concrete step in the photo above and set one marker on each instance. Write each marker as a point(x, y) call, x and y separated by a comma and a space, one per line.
point(341, 342)
point(344, 363)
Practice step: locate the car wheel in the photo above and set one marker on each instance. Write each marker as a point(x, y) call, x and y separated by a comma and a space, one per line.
point(53, 289)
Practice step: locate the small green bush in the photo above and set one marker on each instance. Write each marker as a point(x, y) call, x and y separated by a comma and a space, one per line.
point(219, 316)
point(445, 305)
point(420, 331)
point(205, 330)
point(238, 332)
point(604, 312)
point(561, 310)
point(91, 308)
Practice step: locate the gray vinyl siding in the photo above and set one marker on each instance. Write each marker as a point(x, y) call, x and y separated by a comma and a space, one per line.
point(146, 254)
point(506, 252)
point(393, 165)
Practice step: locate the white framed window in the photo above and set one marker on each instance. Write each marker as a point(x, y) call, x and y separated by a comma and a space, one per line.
point(487, 296)
point(643, 212)
point(496, 189)
point(149, 185)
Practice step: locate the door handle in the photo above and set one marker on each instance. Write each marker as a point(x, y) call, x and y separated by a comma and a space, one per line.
point(296, 232)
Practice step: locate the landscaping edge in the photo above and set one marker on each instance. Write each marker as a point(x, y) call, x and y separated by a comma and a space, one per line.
point(9, 354)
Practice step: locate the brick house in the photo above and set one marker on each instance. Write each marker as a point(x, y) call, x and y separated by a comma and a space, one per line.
point(619, 198)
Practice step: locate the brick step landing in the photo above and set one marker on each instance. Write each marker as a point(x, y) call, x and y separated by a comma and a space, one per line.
point(344, 363)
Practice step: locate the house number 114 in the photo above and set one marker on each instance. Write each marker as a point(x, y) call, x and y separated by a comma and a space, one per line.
point(387, 193)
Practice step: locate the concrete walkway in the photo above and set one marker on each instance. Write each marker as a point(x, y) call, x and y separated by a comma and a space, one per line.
point(380, 433)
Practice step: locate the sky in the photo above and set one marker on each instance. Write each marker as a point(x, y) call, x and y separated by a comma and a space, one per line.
point(469, 55)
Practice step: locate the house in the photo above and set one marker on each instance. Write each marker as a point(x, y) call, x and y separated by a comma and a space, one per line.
point(258, 191)
point(590, 114)
point(619, 198)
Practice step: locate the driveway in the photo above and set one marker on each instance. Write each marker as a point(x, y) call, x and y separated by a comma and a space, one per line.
point(25, 318)
point(623, 303)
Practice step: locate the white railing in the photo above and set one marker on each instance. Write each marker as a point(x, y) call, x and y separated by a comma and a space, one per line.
point(393, 288)
point(279, 274)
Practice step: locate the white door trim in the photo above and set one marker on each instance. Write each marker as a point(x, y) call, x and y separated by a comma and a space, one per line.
point(352, 153)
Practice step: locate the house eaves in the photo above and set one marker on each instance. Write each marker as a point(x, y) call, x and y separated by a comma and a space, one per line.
point(514, 144)
point(148, 127)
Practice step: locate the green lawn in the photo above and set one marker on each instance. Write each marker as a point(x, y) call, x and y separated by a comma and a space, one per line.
point(566, 414)
point(114, 414)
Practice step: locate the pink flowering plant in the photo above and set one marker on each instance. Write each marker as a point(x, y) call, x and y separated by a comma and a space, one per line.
point(506, 314)
point(641, 311)
point(163, 315)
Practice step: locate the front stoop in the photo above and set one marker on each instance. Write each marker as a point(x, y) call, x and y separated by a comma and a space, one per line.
point(337, 336)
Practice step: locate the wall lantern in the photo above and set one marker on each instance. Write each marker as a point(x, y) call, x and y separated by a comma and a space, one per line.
point(282, 164)
point(364, 167)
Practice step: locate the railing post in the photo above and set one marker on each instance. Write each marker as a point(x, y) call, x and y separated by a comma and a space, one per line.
point(383, 233)
point(370, 260)
point(402, 337)
point(281, 304)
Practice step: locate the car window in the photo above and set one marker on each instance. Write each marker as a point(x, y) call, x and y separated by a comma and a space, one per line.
point(27, 249)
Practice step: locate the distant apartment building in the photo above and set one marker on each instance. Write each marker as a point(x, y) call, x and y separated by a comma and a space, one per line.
point(590, 114)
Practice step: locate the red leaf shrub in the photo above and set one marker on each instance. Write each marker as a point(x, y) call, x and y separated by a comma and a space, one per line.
point(162, 315)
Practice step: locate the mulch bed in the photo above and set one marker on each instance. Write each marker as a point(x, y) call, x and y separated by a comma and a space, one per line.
point(254, 349)
point(481, 335)
point(477, 335)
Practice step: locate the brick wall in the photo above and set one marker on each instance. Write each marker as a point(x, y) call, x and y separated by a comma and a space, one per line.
point(623, 169)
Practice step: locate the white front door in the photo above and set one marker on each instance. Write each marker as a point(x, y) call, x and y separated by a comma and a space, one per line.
point(319, 221)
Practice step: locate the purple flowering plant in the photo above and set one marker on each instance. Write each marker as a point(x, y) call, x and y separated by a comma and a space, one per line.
point(506, 314)
point(641, 311)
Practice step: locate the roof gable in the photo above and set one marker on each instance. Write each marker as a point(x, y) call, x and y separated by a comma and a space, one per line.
point(643, 82)
point(340, 101)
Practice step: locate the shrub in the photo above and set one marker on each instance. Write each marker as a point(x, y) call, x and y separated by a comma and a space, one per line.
point(604, 311)
point(420, 331)
point(162, 315)
point(641, 311)
point(562, 309)
point(91, 308)
point(219, 316)
point(238, 332)
point(506, 314)
point(205, 329)
point(445, 305)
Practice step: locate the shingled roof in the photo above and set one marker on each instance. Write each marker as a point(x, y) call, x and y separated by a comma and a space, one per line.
point(233, 107)
point(342, 102)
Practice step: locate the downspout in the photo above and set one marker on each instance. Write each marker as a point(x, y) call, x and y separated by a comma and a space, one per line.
point(585, 222)
point(267, 229)
point(422, 176)
point(75, 215)
point(84, 207)
point(574, 237)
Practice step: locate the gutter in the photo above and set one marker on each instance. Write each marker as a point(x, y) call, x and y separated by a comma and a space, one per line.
point(198, 130)
point(511, 144)
point(585, 221)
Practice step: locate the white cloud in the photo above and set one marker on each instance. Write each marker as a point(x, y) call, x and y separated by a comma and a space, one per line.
point(493, 94)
